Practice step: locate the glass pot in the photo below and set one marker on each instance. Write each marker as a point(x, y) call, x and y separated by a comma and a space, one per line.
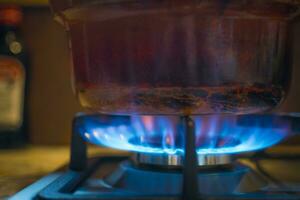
point(179, 57)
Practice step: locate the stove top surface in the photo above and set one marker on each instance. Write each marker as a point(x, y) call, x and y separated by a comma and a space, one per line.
point(261, 176)
point(245, 176)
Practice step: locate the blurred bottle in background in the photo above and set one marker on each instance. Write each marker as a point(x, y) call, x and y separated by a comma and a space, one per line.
point(13, 78)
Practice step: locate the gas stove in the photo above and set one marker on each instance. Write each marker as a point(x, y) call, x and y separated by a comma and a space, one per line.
point(232, 166)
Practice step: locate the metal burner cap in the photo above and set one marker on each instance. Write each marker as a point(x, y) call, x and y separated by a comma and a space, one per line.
point(177, 160)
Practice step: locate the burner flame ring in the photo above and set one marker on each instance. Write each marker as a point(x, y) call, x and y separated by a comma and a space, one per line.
point(175, 160)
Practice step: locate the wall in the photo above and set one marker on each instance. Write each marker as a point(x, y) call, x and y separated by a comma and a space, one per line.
point(292, 104)
point(51, 101)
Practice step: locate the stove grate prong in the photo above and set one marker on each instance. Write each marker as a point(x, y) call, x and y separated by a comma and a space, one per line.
point(190, 180)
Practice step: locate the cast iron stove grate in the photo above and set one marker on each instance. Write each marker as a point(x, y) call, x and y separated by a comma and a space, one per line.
point(88, 181)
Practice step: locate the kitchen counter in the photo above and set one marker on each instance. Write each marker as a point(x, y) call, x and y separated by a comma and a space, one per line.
point(21, 167)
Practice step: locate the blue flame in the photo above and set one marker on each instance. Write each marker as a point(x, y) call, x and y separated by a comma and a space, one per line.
point(163, 135)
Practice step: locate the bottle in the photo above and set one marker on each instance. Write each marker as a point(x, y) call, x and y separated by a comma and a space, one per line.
point(13, 73)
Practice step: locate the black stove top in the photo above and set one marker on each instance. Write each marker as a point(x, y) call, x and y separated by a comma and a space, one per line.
point(258, 175)
point(116, 177)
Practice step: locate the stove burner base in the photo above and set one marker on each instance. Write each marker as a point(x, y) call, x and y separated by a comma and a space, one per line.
point(176, 161)
point(222, 180)
point(111, 178)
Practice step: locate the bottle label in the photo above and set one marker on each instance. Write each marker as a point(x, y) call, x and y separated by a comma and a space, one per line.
point(12, 79)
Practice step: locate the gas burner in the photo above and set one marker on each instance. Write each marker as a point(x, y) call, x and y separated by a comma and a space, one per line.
point(163, 136)
point(116, 177)
point(169, 160)
point(217, 180)
point(189, 174)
